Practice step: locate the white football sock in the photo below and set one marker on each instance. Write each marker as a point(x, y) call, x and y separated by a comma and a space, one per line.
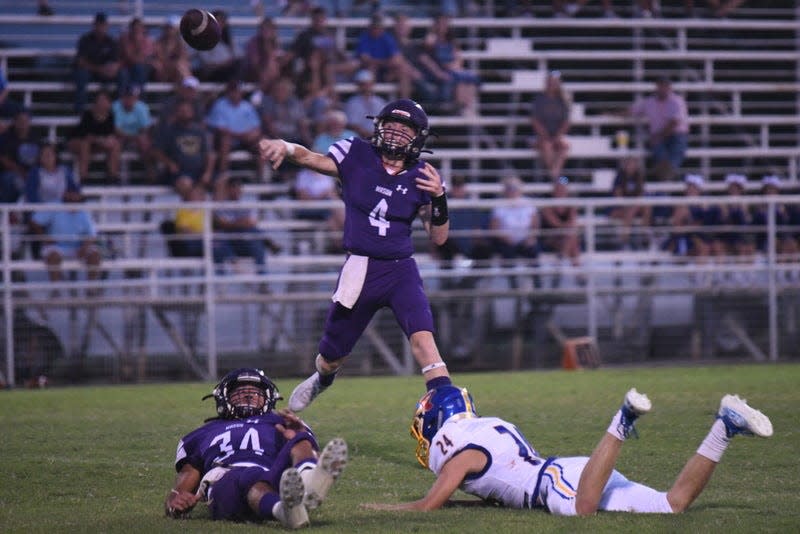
point(715, 443)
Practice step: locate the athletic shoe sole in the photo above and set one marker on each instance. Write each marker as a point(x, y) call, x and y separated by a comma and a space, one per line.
point(292, 491)
point(330, 465)
point(745, 417)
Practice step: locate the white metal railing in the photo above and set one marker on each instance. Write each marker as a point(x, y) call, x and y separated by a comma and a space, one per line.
point(154, 286)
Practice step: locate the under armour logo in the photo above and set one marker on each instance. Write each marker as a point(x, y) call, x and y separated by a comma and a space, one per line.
point(402, 189)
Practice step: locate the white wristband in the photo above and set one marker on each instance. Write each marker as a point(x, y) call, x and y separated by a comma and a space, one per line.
point(431, 367)
point(289, 148)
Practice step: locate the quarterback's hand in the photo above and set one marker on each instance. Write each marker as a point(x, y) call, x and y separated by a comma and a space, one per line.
point(273, 150)
point(179, 503)
point(431, 182)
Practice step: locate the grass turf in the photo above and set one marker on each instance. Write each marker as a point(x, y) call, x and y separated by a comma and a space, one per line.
point(99, 459)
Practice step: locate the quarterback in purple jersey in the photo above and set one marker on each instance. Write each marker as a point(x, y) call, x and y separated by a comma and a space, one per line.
point(385, 186)
point(250, 462)
point(491, 459)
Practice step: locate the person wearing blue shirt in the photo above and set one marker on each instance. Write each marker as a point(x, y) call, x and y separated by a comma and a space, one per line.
point(132, 123)
point(236, 124)
point(377, 50)
point(69, 234)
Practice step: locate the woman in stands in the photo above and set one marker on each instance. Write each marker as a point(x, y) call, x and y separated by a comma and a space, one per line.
point(629, 183)
point(170, 60)
point(263, 57)
point(560, 226)
point(48, 181)
point(222, 62)
point(550, 121)
point(137, 51)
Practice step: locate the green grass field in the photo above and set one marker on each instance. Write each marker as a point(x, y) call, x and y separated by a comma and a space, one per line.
point(99, 459)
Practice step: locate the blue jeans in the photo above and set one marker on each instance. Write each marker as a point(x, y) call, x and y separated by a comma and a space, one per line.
point(225, 249)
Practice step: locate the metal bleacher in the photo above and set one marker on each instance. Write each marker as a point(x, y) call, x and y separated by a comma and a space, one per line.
point(741, 80)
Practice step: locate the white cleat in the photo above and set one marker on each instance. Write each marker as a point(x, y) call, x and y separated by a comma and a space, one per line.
point(329, 466)
point(739, 418)
point(291, 511)
point(636, 402)
point(305, 393)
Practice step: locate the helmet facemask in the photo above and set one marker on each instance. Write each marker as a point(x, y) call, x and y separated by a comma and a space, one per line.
point(247, 400)
point(393, 139)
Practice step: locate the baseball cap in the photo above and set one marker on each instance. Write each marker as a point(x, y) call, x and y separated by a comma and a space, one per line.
point(191, 82)
point(695, 180)
point(734, 178)
point(364, 76)
point(771, 180)
point(100, 17)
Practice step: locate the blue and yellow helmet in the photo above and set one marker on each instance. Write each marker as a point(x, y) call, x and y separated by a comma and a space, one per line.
point(433, 409)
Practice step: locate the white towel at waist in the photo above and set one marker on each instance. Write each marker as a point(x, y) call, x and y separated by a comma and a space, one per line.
point(351, 281)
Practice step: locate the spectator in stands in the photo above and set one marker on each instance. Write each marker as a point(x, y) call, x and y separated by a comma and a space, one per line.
point(96, 132)
point(735, 240)
point(186, 90)
point(19, 152)
point(239, 234)
point(466, 226)
point(263, 57)
point(332, 128)
point(49, 181)
point(514, 225)
point(97, 59)
point(236, 124)
point(314, 53)
point(284, 115)
point(441, 58)
point(311, 185)
point(137, 51)
point(69, 234)
point(133, 126)
point(365, 103)
point(8, 106)
point(419, 88)
point(222, 62)
point(560, 226)
point(629, 183)
point(184, 150)
point(570, 9)
point(170, 60)
point(696, 241)
point(378, 51)
point(550, 121)
point(785, 215)
point(647, 8)
point(668, 125)
point(189, 221)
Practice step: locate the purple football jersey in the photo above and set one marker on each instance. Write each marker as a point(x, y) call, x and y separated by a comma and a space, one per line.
point(379, 207)
point(227, 442)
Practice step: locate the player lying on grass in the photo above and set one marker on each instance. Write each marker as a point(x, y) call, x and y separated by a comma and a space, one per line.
point(490, 458)
point(250, 462)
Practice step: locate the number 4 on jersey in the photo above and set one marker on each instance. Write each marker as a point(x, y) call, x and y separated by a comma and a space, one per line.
point(377, 217)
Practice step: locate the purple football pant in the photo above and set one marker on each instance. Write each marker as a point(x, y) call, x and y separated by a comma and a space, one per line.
point(393, 283)
point(228, 495)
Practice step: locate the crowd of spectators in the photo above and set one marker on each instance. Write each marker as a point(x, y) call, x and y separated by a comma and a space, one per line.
point(188, 144)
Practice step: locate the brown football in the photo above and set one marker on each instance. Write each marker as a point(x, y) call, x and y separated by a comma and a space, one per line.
point(200, 29)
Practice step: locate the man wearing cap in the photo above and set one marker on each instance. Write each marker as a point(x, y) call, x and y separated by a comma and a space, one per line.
point(668, 125)
point(187, 89)
point(365, 103)
point(378, 52)
point(97, 59)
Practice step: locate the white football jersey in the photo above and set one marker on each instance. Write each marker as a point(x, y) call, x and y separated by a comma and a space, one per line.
point(513, 465)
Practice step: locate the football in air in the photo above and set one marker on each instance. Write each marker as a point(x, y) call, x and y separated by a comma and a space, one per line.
point(200, 29)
